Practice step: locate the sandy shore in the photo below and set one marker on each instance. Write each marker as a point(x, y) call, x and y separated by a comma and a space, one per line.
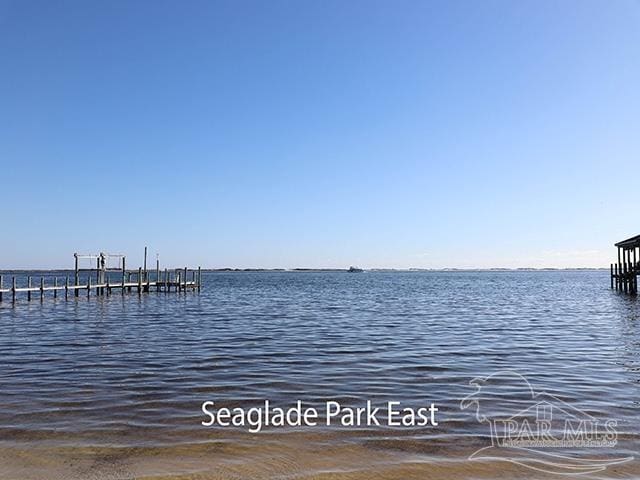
point(296, 455)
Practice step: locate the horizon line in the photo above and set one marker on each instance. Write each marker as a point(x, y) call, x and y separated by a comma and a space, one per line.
point(324, 269)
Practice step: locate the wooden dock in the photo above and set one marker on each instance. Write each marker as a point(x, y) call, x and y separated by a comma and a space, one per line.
point(624, 274)
point(100, 281)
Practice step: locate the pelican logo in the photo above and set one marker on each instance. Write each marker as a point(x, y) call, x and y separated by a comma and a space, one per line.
point(536, 429)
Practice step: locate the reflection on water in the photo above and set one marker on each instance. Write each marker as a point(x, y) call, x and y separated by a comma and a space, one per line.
point(120, 380)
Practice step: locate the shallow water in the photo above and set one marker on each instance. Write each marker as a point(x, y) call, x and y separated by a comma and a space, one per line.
point(111, 387)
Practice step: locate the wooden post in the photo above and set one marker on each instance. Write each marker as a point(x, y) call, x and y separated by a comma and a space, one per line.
point(77, 276)
point(157, 274)
point(622, 273)
point(199, 278)
point(145, 263)
point(629, 283)
point(29, 288)
point(66, 288)
point(1, 286)
point(13, 290)
point(626, 271)
point(630, 271)
point(88, 286)
point(185, 279)
point(178, 280)
point(629, 275)
point(124, 274)
point(41, 289)
point(612, 276)
point(55, 287)
point(140, 279)
point(634, 272)
point(619, 278)
point(166, 280)
point(625, 279)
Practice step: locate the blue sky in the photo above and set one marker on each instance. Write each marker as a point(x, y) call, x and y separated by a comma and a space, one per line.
point(320, 134)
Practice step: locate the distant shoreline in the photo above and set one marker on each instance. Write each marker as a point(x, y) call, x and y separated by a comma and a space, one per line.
point(337, 270)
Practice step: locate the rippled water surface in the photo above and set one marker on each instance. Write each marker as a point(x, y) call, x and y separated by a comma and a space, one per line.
point(98, 381)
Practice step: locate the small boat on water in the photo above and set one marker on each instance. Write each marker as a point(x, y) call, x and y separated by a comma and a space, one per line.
point(353, 269)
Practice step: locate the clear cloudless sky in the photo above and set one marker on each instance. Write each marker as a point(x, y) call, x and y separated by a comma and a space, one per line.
point(319, 133)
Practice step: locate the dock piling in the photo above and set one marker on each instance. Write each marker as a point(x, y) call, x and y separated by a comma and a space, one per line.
point(611, 276)
point(124, 275)
point(634, 265)
point(77, 276)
